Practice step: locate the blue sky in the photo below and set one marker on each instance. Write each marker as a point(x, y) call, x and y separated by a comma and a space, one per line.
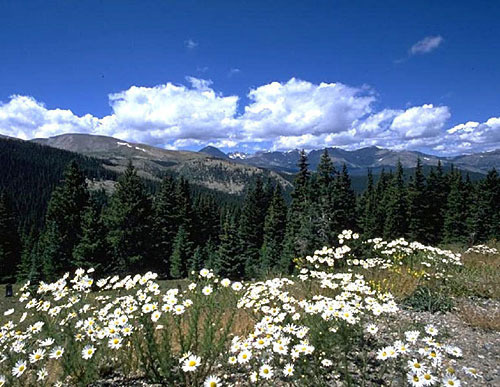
point(61, 60)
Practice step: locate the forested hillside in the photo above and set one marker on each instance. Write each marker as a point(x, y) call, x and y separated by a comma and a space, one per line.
point(29, 172)
point(175, 228)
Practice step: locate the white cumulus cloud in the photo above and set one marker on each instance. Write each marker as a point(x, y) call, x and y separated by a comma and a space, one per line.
point(279, 116)
point(297, 107)
point(421, 121)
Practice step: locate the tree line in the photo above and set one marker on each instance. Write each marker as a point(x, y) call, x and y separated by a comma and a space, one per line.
point(175, 231)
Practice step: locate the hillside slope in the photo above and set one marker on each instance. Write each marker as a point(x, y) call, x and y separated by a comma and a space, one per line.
point(152, 163)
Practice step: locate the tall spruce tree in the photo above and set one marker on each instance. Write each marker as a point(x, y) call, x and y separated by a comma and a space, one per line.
point(368, 209)
point(274, 232)
point(381, 198)
point(128, 221)
point(207, 219)
point(418, 206)
point(184, 205)
point(228, 262)
point(63, 222)
point(485, 216)
point(455, 219)
point(396, 208)
point(344, 203)
point(10, 241)
point(251, 228)
point(296, 242)
point(437, 191)
point(166, 223)
point(92, 249)
point(324, 181)
point(181, 254)
point(30, 268)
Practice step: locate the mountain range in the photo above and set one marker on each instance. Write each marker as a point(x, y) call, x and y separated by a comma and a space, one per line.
point(214, 173)
point(358, 161)
point(210, 168)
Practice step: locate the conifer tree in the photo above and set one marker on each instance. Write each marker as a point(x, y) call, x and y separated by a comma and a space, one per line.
point(128, 221)
point(438, 193)
point(251, 228)
point(196, 260)
point(63, 223)
point(368, 209)
point(274, 232)
point(344, 203)
point(485, 216)
point(207, 215)
point(325, 207)
point(10, 242)
point(184, 205)
point(181, 254)
point(381, 197)
point(166, 223)
point(396, 209)
point(30, 268)
point(229, 263)
point(295, 245)
point(92, 249)
point(417, 206)
point(455, 220)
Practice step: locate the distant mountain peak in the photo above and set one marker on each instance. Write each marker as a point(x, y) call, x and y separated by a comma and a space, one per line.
point(213, 151)
point(238, 155)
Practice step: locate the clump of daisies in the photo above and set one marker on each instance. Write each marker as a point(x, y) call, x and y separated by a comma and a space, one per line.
point(319, 326)
point(425, 360)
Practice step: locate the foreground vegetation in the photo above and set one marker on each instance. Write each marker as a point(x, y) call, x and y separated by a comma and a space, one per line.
point(177, 230)
point(333, 322)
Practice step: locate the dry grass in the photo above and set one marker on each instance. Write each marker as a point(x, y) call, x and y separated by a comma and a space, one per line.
point(478, 317)
point(479, 276)
point(401, 284)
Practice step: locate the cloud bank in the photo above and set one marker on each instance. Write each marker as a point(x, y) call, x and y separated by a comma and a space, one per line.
point(279, 116)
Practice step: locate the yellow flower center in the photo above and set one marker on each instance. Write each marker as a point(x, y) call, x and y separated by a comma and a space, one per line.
point(192, 363)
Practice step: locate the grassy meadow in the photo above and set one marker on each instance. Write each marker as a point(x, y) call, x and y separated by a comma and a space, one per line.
point(335, 322)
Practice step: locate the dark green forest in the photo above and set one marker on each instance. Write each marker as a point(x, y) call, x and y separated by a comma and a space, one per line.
point(50, 222)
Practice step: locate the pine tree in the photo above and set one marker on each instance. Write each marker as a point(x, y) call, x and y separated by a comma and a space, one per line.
point(184, 205)
point(128, 221)
point(396, 209)
point(181, 254)
point(417, 206)
point(485, 216)
point(344, 203)
point(166, 223)
point(10, 242)
point(229, 263)
point(325, 207)
point(297, 218)
point(274, 232)
point(92, 249)
point(196, 260)
point(251, 228)
point(381, 196)
point(63, 223)
point(207, 215)
point(455, 220)
point(368, 209)
point(437, 191)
